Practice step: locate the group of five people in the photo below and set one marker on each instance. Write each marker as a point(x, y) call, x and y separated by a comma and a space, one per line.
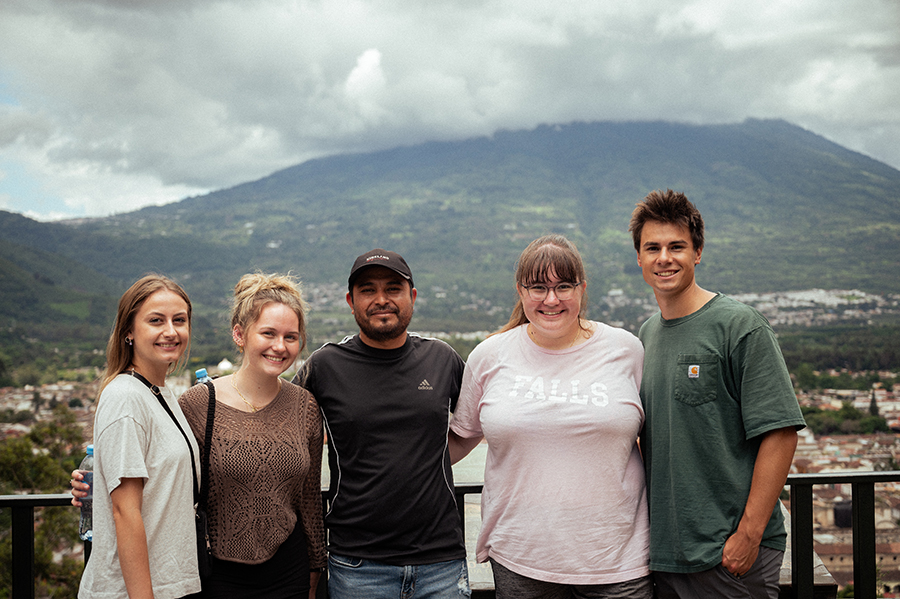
point(608, 456)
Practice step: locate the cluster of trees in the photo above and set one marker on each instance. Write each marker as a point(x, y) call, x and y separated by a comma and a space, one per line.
point(40, 462)
point(846, 421)
point(808, 379)
point(854, 347)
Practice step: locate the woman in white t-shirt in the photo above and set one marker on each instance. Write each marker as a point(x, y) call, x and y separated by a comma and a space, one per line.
point(555, 395)
point(143, 505)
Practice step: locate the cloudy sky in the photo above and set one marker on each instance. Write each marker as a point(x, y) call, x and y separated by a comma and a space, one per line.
point(110, 105)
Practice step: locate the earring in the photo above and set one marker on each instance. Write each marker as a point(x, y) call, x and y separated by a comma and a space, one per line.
point(129, 341)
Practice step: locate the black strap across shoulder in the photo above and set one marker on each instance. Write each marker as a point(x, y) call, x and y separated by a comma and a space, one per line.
point(204, 464)
point(155, 391)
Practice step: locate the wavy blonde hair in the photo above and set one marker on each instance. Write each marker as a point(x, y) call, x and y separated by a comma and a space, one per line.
point(256, 290)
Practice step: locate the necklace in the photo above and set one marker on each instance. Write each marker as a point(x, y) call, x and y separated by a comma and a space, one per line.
point(241, 395)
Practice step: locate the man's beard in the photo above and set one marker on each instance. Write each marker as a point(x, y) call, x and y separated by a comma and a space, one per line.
point(384, 332)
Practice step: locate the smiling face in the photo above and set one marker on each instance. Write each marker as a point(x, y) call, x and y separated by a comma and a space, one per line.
point(159, 334)
point(553, 319)
point(272, 342)
point(382, 304)
point(667, 259)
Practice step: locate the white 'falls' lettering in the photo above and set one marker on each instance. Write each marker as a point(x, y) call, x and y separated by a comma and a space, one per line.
point(558, 391)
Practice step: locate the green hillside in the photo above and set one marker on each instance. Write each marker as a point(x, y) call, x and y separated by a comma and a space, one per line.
point(785, 210)
point(50, 303)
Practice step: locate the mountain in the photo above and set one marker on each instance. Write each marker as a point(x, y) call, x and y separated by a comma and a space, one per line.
point(785, 209)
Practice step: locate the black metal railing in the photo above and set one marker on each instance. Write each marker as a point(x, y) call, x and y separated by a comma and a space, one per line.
point(864, 560)
point(802, 557)
point(22, 516)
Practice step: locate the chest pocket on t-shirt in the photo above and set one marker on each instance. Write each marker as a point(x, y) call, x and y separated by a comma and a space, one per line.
point(696, 378)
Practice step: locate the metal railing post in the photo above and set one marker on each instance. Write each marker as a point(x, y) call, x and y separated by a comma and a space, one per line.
point(864, 559)
point(802, 553)
point(23, 552)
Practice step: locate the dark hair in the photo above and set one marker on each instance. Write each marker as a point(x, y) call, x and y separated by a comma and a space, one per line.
point(543, 256)
point(667, 207)
point(120, 354)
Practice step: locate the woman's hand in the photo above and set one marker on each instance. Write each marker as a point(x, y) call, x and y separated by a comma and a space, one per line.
point(313, 583)
point(79, 489)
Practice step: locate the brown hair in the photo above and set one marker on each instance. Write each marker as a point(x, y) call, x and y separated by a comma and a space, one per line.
point(545, 255)
point(120, 354)
point(667, 207)
point(256, 290)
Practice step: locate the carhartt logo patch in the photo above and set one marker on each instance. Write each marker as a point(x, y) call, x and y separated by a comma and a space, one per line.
point(425, 386)
point(694, 371)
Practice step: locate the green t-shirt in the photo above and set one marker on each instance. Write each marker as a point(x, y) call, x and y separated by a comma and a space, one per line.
point(714, 382)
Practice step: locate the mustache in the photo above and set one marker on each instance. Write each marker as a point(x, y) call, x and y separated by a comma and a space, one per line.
point(384, 308)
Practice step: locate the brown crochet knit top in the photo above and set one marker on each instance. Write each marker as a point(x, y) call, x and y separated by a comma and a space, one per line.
point(265, 471)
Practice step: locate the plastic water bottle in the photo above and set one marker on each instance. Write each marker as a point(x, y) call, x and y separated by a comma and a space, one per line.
point(87, 503)
point(202, 376)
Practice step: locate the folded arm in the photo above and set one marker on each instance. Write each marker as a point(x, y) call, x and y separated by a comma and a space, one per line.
point(461, 446)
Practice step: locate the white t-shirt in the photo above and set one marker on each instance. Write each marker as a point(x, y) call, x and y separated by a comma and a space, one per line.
point(134, 437)
point(564, 498)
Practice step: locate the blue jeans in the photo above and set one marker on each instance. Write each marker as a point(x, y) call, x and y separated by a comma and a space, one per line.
point(353, 578)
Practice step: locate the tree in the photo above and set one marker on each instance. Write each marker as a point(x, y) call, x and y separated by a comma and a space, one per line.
point(40, 462)
point(847, 421)
point(60, 435)
point(847, 591)
point(27, 375)
point(806, 377)
point(57, 528)
point(5, 378)
point(873, 424)
point(24, 469)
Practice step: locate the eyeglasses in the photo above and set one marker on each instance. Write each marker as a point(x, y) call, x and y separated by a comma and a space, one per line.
point(563, 291)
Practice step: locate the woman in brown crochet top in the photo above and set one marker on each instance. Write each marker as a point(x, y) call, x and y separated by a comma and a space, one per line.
point(265, 502)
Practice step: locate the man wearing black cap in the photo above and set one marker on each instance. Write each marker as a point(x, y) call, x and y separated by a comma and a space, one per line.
point(386, 397)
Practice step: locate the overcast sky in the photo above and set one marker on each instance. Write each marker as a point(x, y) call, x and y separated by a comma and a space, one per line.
point(110, 105)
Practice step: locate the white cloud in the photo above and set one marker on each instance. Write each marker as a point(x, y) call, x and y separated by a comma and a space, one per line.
point(115, 104)
point(365, 88)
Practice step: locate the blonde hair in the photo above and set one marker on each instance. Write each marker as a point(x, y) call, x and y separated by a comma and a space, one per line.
point(543, 256)
point(119, 354)
point(256, 290)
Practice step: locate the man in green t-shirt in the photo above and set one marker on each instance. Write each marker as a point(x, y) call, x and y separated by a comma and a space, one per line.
point(721, 420)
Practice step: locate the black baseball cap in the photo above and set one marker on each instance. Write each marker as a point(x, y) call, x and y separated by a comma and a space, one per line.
point(380, 257)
